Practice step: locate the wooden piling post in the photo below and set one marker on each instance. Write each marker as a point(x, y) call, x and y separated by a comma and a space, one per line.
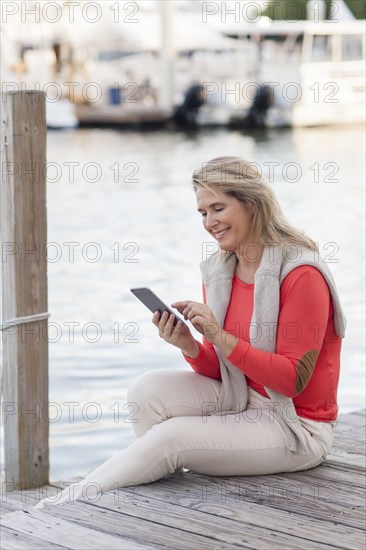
point(24, 290)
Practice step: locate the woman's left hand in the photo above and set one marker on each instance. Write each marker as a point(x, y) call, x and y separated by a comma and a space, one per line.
point(201, 317)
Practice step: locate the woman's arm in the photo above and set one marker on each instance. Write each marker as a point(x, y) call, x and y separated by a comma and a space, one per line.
point(206, 362)
point(203, 359)
point(302, 323)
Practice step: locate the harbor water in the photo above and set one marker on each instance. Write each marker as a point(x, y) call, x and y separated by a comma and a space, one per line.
point(122, 213)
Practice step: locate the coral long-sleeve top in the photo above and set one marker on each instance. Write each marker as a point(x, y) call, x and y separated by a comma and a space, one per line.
point(306, 363)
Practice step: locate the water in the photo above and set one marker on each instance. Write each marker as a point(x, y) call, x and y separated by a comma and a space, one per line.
point(114, 233)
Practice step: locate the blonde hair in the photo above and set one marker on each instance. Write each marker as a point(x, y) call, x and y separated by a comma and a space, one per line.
point(243, 180)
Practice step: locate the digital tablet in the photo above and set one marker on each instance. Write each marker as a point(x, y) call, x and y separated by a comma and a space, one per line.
point(153, 302)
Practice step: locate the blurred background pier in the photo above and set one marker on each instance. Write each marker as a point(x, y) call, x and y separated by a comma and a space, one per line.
point(190, 63)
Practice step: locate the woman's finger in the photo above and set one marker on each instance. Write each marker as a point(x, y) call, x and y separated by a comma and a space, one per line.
point(169, 325)
point(156, 318)
point(162, 323)
point(184, 306)
point(182, 303)
point(193, 312)
point(189, 310)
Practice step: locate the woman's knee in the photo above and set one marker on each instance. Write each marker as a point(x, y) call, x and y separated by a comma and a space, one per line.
point(142, 387)
point(144, 396)
point(153, 383)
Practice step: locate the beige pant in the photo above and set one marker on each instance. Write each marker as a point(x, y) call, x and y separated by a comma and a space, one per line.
point(169, 417)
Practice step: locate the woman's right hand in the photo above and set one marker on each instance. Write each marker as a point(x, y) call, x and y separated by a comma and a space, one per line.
point(179, 335)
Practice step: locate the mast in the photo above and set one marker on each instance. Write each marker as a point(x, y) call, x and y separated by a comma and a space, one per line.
point(167, 54)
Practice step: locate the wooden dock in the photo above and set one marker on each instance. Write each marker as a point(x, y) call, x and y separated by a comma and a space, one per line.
point(121, 115)
point(319, 508)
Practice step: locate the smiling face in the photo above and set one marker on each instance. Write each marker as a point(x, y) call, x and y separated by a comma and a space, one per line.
point(227, 219)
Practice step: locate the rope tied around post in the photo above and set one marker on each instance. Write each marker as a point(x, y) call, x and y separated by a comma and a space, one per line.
point(25, 319)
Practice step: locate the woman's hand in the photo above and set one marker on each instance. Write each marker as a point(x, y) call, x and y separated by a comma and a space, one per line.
point(202, 318)
point(178, 335)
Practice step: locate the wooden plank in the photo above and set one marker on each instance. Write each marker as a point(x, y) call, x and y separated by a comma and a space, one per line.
point(24, 288)
point(348, 446)
point(13, 540)
point(107, 525)
point(342, 451)
point(55, 530)
point(356, 419)
point(196, 491)
point(329, 472)
point(119, 115)
point(323, 502)
point(262, 489)
point(355, 437)
point(357, 462)
point(240, 522)
point(19, 500)
point(308, 479)
point(298, 490)
point(165, 509)
point(176, 526)
point(344, 467)
point(361, 412)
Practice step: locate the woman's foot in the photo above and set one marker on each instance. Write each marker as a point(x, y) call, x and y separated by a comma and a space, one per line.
point(69, 494)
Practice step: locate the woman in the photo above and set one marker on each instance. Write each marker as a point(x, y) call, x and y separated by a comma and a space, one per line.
point(262, 394)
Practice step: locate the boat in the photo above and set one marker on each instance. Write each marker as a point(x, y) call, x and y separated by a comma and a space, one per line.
point(264, 73)
point(272, 74)
point(316, 71)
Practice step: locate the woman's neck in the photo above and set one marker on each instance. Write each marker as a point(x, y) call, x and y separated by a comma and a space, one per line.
point(248, 260)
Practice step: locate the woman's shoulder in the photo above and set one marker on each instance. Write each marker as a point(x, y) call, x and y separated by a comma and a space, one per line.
point(301, 269)
point(305, 277)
